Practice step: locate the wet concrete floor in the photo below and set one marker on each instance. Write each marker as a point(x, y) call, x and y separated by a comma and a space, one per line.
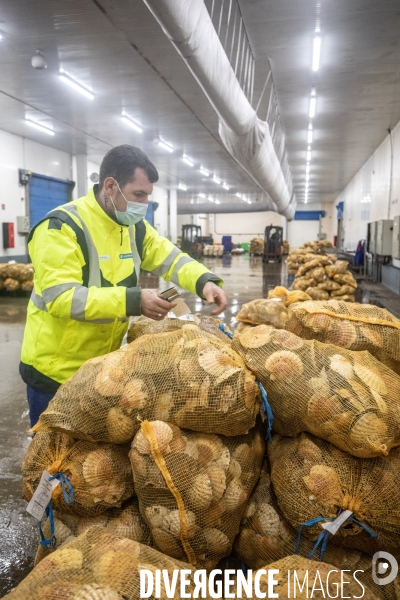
point(245, 279)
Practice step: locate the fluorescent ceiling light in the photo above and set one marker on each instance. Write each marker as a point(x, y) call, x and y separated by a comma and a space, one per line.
point(217, 202)
point(309, 136)
point(216, 179)
point(225, 186)
point(210, 198)
point(75, 85)
point(238, 195)
point(316, 53)
point(187, 160)
point(248, 201)
point(40, 127)
point(308, 155)
point(307, 177)
point(204, 171)
point(202, 195)
point(182, 186)
point(132, 123)
point(307, 167)
point(313, 104)
point(166, 146)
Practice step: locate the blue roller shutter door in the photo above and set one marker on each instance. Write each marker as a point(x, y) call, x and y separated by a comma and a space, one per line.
point(45, 194)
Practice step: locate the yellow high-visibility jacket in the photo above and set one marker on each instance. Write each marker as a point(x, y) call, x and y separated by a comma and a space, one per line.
point(86, 286)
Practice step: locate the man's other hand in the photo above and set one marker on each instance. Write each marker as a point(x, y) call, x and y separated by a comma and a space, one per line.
point(215, 295)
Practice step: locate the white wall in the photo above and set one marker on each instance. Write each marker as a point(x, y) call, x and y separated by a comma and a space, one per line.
point(300, 232)
point(20, 153)
point(161, 223)
point(372, 194)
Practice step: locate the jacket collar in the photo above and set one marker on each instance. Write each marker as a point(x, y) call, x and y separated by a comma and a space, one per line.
point(94, 206)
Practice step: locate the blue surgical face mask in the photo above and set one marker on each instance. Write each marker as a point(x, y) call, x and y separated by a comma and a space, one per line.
point(135, 211)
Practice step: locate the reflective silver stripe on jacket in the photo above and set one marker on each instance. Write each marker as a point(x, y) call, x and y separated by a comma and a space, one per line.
point(51, 293)
point(137, 261)
point(182, 261)
point(38, 301)
point(166, 264)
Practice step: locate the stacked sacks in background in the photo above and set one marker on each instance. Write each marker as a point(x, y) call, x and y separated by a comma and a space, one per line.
point(352, 326)
point(286, 247)
point(16, 276)
point(272, 310)
point(193, 488)
point(125, 521)
point(97, 565)
point(257, 246)
point(348, 398)
point(187, 377)
point(321, 278)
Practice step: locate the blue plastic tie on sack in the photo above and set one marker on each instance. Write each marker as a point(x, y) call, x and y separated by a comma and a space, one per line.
point(323, 538)
point(51, 542)
point(222, 328)
point(267, 410)
point(67, 489)
point(244, 568)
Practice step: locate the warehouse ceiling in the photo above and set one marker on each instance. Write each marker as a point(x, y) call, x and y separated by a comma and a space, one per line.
point(117, 50)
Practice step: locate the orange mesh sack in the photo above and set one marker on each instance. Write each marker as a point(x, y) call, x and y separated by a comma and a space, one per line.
point(188, 377)
point(259, 311)
point(303, 283)
point(100, 474)
point(288, 297)
point(352, 326)
point(312, 478)
point(346, 397)
point(193, 488)
point(144, 326)
point(97, 565)
point(321, 580)
point(317, 293)
point(125, 522)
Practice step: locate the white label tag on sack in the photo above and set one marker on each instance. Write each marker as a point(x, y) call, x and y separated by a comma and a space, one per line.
point(42, 496)
point(334, 526)
point(181, 308)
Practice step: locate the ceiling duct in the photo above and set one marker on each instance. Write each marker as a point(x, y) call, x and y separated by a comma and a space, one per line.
point(186, 208)
point(246, 137)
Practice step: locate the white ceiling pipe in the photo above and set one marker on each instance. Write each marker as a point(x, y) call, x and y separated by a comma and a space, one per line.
point(247, 138)
point(186, 208)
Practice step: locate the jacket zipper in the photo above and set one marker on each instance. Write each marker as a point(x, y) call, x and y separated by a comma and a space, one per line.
point(121, 237)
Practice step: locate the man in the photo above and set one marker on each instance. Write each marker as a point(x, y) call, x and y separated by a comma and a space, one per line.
point(87, 256)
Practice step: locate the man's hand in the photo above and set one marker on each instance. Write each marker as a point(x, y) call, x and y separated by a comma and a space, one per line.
point(153, 306)
point(214, 295)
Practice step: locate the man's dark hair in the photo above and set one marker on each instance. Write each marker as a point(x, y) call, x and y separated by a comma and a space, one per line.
point(121, 163)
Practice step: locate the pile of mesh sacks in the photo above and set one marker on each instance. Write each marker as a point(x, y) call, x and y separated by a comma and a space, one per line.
point(15, 276)
point(170, 467)
point(257, 246)
point(326, 277)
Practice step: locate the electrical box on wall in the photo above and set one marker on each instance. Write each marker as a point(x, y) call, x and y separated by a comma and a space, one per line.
point(8, 235)
point(384, 237)
point(396, 238)
point(23, 225)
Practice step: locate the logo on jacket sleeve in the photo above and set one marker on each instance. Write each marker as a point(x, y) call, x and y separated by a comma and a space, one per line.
point(128, 255)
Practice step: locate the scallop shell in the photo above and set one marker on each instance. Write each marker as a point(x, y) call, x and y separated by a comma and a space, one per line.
point(105, 386)
point(200, 493)
point(369, 431)
point(67, 558)
point(320, 408)
point(256, 336)
point(373, 335)
point(172, 523)
point(235, 470)
point(307, 450)
point(252, 392)
point(98, 467)
point(226, 398)
point(60, 589)
point(189, 369)
point(218, 362)
point(110, 361)
point(212, 517)
point(209, 448)
point(288, 340)
point(191, 449)
point(249, 511)
point(134, 396)
point(85, 522)
point(163, 406)
point(217, 542)
point(156, 515)
point(362, 393)
point(128, 524)
point(266, 520)
point(320, 386)
point(153, 354)
point(218, 481)
point(323, 482)
point(116, 567)
point(317, 322)
point(163, 434)
point(224, 458)
point(139, 464)
point(202, 399)
point(341, 365)
point(243, 454)
point(110, 493)
point(370, 377)
point(167, 543)
point(380, 402)
point(283, 364)
point(234, 495)
point(120, 427)
point(342, 333)
point(95, 592)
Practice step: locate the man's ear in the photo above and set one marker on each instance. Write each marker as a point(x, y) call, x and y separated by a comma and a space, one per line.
point(108, 185)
